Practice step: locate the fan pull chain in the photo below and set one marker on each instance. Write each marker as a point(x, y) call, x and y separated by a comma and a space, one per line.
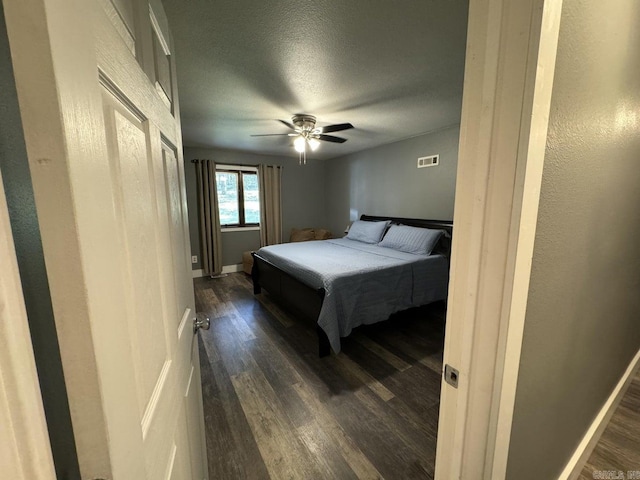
point(302, 158)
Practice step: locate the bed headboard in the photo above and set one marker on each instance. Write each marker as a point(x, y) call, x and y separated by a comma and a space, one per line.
point(444, 245)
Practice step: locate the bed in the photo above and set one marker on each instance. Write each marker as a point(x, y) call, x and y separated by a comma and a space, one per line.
point(340, 284)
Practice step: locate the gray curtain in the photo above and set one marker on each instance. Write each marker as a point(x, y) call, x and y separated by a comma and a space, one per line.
point(210, 234)
point(270, 177)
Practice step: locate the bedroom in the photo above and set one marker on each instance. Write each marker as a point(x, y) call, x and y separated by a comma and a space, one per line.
point(403, 99)
point(84, 291)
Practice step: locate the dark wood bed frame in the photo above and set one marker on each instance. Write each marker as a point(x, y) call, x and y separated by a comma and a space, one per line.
point(306, 301)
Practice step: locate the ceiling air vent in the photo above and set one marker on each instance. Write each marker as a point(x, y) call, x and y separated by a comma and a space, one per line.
point(430, 161)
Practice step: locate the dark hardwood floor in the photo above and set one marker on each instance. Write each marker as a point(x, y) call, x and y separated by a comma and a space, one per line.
point(273, 409)
point(618, 449)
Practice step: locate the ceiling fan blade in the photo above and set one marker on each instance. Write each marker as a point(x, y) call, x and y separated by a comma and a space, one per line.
point(287, 124)
point(338, 127)
point(331, 138)
point(276, 135)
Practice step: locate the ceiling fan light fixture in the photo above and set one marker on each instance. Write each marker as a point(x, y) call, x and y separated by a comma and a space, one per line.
point(314, 143)
point(299, 144)
point(305, 132)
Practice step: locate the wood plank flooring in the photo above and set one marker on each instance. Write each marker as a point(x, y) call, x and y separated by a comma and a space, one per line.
point(273, 409)
point(618, 449)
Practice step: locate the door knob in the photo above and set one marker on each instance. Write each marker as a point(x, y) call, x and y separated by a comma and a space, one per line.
point(201, 321)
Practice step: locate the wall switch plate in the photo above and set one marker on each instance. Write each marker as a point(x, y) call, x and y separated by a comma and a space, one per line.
point(194, 258)
point(430, 161)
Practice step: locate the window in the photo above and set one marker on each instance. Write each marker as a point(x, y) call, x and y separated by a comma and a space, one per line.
point(238, 196)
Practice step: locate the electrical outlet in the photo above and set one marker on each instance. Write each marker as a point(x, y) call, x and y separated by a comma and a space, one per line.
point(194, 258)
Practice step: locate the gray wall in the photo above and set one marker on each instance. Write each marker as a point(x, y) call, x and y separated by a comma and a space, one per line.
point(331, 193)
point(386, 181)
point(582, 327)
point(16, 179)
point(303, 200)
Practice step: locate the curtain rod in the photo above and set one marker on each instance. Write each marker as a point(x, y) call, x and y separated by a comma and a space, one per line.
point(196, 160)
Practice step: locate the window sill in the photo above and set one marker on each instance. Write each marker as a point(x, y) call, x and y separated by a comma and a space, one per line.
point(238, 229)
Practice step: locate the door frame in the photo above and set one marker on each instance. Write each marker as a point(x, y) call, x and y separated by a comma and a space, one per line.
point(26, 450)
point(509, 70)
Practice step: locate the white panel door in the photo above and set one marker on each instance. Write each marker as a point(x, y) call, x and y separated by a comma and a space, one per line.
point(96, 83)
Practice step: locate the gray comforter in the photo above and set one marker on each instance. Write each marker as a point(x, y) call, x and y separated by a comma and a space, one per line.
point(363, 283)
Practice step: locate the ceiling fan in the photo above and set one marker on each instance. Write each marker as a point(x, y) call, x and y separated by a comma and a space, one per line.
point(306, 133)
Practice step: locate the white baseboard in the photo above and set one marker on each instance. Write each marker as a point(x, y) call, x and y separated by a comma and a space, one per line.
point(232, 268)
point(225, 269)
point(575, 465)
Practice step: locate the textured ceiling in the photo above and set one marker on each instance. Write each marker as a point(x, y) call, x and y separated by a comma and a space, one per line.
point(392, 68)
